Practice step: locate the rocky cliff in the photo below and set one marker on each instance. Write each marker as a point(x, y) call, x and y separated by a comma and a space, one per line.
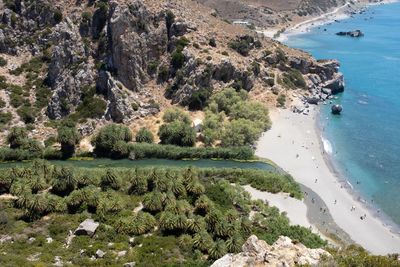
point(284, 252)
point(117, 60)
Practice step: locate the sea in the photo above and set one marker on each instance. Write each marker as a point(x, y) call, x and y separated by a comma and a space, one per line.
point(365, 138)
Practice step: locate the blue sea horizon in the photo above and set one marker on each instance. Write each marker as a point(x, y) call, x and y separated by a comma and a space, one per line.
point(366, 137)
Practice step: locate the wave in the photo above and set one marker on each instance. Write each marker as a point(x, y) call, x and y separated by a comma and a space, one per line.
point(327, 146)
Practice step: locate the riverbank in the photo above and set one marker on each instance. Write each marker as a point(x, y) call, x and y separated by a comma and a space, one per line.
point(295, 144)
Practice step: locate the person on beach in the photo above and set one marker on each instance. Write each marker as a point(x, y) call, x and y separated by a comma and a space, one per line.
point(335, 202)
point(316, 180)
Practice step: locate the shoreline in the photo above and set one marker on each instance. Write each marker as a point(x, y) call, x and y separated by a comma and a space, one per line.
point(349, 187)
point(339, 13)
point(295, 144)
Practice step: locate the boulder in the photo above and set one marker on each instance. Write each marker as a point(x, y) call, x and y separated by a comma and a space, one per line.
point(130, 264)
point(284, 252)
point(87, 227)
point(100, 254)
point(356, 33)
point(336, 109)
point(313, 100)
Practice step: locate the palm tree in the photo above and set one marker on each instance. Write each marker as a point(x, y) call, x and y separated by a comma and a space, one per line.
point(190, 175)
point(153, 201)
point(178, 188)
point(170, 200)
point(213, 218)
point(218, 250)
point(110, 180)
point(185, 242)
point(37, 183)
point(195, 188)
point(64, 181)
point(139, 184)
point(5, 183)
point(20, 188)
point(195, 224)
point(203, 205)
point(179, 207)
point(83, 181)
point(203, 241)
point(36, 206)
point(75, 200)
point(234, 243)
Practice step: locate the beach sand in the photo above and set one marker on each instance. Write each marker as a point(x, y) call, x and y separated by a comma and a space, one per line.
point(294, 143)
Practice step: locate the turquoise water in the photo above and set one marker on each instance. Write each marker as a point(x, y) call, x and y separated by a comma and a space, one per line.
point(367, 135)
point(125, 163)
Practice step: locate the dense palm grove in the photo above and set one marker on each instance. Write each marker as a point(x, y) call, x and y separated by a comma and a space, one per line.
point(186, 216)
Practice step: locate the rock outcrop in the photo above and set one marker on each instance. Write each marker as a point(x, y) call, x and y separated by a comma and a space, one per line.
point(70, 70)
point(87, 227)
point(284, 252)
point(356, 34)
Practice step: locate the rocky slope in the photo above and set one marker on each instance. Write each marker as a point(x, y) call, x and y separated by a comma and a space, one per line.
point(123, 61)
point(284, 252)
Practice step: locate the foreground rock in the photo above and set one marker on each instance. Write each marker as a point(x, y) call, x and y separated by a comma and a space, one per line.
point(87, 227)
point(284, 252)
point(356, 33)
point(336, 109)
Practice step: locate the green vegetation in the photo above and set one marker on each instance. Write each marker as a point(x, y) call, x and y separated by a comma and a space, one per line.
point(244, 44)
point(177, 130)
point(5, 117)
point(247, 119)
point(68, 137)
point(111, 141)
point(190, 216)
point(293, 79)
point(3, 62)
point(144, 136)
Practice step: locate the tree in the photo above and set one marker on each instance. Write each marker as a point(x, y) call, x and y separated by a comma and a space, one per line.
point(64, 181)
point(254, 111)
point(68, 137)
point(176, 114)
point(240, 132)
point(226, 99)
point(177, 133)
point(203, 241)
point(234, 243)
point(144, 136)
point(109, 140)
point(218, 250)
point(110, 180)
point(16, 137)
point(153, 201)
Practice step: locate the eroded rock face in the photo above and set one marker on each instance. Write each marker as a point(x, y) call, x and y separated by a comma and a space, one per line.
point(69, 70)
point(135, 41)
point(282, 253)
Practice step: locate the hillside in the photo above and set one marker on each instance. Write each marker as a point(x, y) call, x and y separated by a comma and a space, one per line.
point(126, 61)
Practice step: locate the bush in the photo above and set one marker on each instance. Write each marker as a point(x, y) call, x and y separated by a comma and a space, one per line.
point(177, 133)
point(3, 62)
point(110, 140)
point(244, 44)
point(176, 114)
point(177, 59)
point(144, 136)
point(16, 137)
point(240, 132)
point(5, 117)
point(198, 99)
point(281, 100)
point(68, 136)
point(294, 79)
point(212, 42)
point(58, 16)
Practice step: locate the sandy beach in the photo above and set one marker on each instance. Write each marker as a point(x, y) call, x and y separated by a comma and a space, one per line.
point(294, 143)
point(339, 13)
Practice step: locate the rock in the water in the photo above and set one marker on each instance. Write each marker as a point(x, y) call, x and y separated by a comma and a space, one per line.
point(87, 227)
point(336, 109)
point(283, 252)
point(356, 33)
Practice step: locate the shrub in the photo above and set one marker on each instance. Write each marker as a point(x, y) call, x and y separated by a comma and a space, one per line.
point(176, 114)
point(244, 44)
point(16, 137)
point(212, 42)
point(281, 100)
point(5, 117)
point(86, 16)
point(177, 59)
point(68, 136)
point(27, 114)
point(240, 132)
point(3, 62)
point(57, 16)
point(144, 136)
point(293, 79)
point(109, 141)
point(177, 133)
point(199, 98)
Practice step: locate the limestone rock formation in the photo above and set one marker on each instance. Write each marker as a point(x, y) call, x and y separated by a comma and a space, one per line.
point(87, 227)
point(284, 252)
point(69, 70)
point(356, 33)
